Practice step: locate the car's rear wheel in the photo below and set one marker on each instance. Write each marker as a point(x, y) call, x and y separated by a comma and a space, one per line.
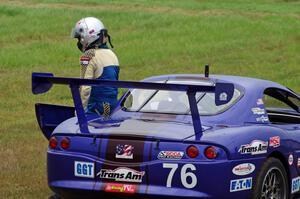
point(55, 196)
point(272, 181)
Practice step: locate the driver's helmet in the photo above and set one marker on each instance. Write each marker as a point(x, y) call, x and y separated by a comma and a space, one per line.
point(88, 31)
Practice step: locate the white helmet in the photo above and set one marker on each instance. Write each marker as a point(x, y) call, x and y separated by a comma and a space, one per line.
point(88, 30)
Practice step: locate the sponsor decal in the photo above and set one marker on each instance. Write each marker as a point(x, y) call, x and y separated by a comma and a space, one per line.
point(259, 101)
point(258, 111)
point(274, 141)
point(298, 163)
point(84, 60)
point(120, 188)
point(243, 169)
point(262, 119)
point(91, 31)
point(295, 184)
point(124, 151)
point(254, 148)
point(121, 174)
point(170, 155)
point(84, 169)
point(291, 159)
point(223, 96)
point(240, 184)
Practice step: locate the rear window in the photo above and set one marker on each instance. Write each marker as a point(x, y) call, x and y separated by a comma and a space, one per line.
point(175, 102)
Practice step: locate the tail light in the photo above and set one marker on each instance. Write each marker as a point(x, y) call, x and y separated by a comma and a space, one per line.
point(211, 152)
point(65, 143)
point(192, 151)
point(53, 142)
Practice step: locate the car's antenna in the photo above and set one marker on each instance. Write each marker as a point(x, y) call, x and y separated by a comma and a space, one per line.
point(206, 72)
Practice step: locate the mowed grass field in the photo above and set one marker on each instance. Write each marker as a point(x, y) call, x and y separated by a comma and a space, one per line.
point(257, 38)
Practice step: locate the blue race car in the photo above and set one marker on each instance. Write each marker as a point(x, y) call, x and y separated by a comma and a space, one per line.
point(175, 136)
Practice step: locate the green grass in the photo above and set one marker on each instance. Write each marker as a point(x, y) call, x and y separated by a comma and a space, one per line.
point(257, 38)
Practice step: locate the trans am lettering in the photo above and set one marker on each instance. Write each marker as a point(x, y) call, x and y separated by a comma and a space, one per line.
point(122, 174)
point(240, 184)
point(255, 147)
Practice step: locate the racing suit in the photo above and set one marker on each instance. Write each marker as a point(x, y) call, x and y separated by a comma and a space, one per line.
point(100, 63)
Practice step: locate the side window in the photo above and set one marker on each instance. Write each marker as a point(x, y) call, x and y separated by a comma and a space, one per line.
point(295, 101)
point(282, 106)
point(271, 102)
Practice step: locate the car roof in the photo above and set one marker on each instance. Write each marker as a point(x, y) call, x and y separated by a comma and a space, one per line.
point(245, 82)
point(252, 90)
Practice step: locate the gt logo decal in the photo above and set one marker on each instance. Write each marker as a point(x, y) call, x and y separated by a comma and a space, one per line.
point(183, 175)
point(295, 184)
point(84, 169)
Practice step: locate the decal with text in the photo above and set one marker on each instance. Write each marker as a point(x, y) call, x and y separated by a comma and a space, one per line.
point(240, 184)
point(243, 169)
point(262, 119)
point(120, 188)
point(188, 178)
point(170, 155)
point(84, 169)
point(121, 174)
point(254, 148)
point(258, 111)
point(295, 184)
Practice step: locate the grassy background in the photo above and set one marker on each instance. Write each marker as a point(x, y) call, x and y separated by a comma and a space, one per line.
point(257, 38)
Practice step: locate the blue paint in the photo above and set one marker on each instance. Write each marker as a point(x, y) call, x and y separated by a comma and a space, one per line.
point(195, 114)
point(226, 131)
point(82, 120)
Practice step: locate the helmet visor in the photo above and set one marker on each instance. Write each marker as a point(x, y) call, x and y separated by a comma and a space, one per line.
point(74, 33)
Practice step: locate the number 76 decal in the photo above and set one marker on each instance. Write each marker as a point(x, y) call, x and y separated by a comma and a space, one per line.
point(183, 174)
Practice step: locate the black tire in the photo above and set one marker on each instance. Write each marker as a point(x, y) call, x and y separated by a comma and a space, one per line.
point(271, 181)
point(55, 196)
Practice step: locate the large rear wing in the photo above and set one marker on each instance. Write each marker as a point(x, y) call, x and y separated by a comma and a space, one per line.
point(42, 83)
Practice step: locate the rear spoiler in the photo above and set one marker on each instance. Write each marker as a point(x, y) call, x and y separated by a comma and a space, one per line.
point(42, 83)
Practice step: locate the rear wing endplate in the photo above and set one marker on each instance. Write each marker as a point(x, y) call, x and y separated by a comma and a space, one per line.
point(42, 83)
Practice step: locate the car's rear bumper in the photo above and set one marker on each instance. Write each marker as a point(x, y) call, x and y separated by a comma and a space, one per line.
point(214, 180)
point(78, 193)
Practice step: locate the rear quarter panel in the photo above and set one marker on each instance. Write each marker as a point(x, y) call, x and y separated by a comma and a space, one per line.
point(280, 141)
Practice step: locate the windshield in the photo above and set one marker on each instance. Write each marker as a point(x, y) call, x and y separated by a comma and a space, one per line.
point(175, 102)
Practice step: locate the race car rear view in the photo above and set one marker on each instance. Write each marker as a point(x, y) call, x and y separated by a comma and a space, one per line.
point(175, 136)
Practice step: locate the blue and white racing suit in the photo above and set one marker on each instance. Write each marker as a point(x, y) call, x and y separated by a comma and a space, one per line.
point(100, 63)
